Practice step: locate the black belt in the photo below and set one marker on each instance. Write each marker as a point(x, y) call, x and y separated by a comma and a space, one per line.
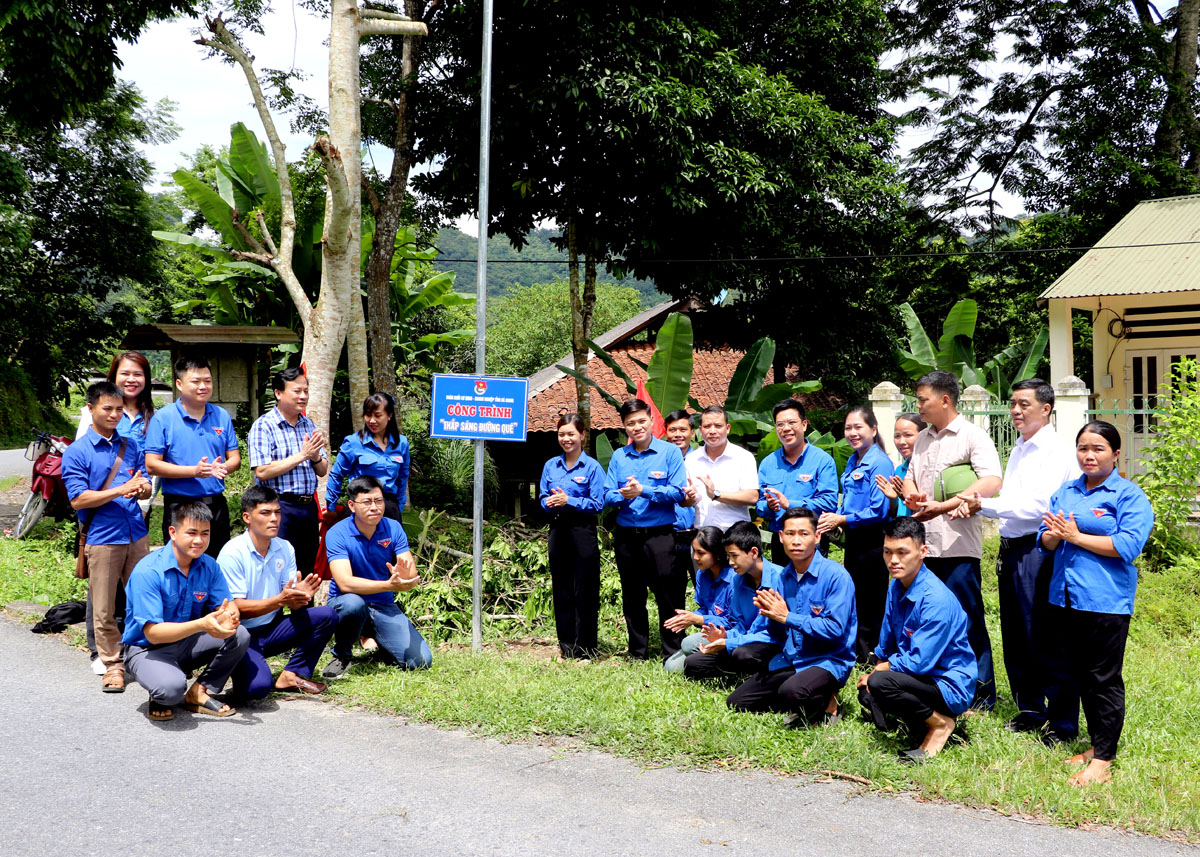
point(1018, 542)
point(685, 535)
point(663, 530)
point(296, 499)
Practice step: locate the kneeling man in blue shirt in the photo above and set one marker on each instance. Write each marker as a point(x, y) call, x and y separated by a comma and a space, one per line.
point(926, 672)
point(178, 617)
point(815, 609)
point(260, 569)
point(370, 562)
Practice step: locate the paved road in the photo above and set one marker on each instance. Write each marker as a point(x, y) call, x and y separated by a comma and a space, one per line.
point(87, 774)
point(14, 463)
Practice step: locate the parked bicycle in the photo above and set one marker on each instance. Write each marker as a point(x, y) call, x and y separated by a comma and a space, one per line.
point(47, 493)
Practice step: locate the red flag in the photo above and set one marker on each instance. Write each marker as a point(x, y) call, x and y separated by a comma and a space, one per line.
point(658, 428)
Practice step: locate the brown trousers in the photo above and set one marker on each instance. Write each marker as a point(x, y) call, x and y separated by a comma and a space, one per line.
point(109, 567)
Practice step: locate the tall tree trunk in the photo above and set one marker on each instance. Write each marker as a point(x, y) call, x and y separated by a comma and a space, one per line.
point(346, 135)
point(387, 213)
point(580, 326)
point(1176, 134)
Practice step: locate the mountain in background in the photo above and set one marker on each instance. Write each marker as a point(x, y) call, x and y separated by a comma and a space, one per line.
point(454, 244)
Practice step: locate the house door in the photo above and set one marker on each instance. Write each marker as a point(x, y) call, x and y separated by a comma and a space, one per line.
point(1147, 379)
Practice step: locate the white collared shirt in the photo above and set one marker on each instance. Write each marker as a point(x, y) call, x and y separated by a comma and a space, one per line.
point(733, 470)
point(1035, 470)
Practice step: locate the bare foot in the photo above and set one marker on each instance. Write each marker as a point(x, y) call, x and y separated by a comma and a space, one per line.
point(1083, 758)
point(941, 728)
point(368, 644)
point(1098, 771)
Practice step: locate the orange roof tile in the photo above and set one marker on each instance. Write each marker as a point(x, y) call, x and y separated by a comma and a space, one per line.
point(711, 373)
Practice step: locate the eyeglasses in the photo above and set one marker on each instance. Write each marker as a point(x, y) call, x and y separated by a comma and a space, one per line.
point(370, 503)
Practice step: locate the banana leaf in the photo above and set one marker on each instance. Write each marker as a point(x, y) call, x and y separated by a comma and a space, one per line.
point(1033, 357)
point(579, 375)
point(768, 397)
point(216, 211)
point(960, 325)
point(604, 450)
point(921, 349)
point(750, 375)
point(669, 377)
point(607, 360)
point(249, 159)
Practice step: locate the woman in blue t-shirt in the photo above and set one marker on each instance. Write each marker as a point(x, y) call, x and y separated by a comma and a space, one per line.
point(378, 450)
point(1096, 527)
point(713, 580)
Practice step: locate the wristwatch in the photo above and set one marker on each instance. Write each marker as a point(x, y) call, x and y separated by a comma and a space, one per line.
point(716, 493)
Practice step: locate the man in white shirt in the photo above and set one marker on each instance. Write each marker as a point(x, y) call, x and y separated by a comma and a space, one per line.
point(724, 474)
point(260, 569)
point(955, 544)
point(1040, 462)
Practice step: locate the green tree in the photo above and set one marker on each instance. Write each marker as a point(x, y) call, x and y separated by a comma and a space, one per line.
point(1087, 106)
point(649, 133)
point(76, 194)
point(59, 56)
point(530, 327)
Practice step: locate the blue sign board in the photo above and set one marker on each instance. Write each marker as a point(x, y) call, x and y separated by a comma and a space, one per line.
point(478, 407)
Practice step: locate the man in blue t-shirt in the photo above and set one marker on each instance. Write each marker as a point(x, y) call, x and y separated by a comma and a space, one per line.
point(926, 671)
point(104, 478)
point(179, 618)
point(191, 445)
point(370, 562)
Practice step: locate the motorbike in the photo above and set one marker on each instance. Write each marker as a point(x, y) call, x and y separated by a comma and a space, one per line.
point(47, 493)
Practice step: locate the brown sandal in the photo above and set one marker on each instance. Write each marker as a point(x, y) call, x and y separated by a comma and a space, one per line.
point(113, 681)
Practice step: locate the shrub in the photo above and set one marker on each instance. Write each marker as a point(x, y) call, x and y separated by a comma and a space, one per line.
point(1172, 470)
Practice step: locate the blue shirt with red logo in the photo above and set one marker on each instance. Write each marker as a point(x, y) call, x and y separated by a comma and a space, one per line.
point(822, 621)
point(660, 472)
point(583, 483)
point(1087, 581)
point(924, 633)
point(712, 595)
point(746, 624)
point(85, 466)
point(369, 557)
point(812, 481)
point(182, 439)
point(159, 592)
point(862, 501)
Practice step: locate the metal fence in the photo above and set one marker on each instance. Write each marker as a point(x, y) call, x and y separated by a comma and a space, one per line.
point(1137, 420)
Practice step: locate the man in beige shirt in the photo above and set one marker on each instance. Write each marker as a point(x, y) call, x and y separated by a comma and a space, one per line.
point(955, 544)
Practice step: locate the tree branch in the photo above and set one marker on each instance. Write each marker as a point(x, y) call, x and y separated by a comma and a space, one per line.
point(262, 258)
point(241, 229)
point(372, 197)
point(1018, 141)
point(262, 227)
point(391, 28)
point(281, 262)
point(337, 228)
point(380, 13)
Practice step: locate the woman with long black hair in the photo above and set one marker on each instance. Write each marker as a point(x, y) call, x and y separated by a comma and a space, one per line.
point(378, 450)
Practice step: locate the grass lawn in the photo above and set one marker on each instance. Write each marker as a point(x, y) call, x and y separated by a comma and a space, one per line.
point(637, 711)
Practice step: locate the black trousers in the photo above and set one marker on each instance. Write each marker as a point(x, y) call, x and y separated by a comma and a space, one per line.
point(806, 692)
point(646, 560)
point(391, 509)
point(911, 699)
point(744, 660)
point(298, 524)
point(864, 560)
point(683, 554)
point(1094, 646)
point(962, 577)
point(219, 533)
point(575, 582)
point(1030, 646)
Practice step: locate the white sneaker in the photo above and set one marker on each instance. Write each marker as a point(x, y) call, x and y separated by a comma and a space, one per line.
point(98, 666)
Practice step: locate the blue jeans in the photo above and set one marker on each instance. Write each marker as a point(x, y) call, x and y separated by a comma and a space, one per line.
point(392, 630)
point(690, 645)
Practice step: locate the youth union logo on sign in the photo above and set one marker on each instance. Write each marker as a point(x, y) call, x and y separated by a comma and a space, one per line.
point(480, 387)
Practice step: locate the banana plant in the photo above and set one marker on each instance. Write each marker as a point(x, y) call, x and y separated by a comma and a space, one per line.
point(410, 296)
point(955, 352)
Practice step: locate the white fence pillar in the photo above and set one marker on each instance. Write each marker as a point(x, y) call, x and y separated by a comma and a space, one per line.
point(887, 401)
point(975, 400)
point(1070, 407)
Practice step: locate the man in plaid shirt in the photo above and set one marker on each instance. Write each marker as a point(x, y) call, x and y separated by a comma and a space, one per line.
point(287, 453)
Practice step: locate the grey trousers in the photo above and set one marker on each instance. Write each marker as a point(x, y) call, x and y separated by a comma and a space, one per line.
point(163, 670)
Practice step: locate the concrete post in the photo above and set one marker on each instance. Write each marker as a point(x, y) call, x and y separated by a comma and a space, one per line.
point(887, 401)
point(1070, 407)
point(975, 398)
